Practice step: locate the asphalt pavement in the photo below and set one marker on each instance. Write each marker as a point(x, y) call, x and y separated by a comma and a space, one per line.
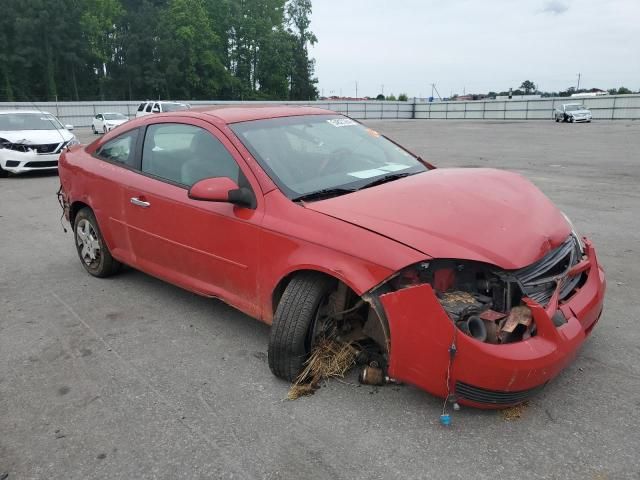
point(132, 378)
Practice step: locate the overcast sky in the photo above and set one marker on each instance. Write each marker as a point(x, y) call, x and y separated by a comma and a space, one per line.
point(474, 45)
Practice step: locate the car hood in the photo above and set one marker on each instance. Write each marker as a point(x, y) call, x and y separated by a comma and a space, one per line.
point(579, 112)
point(37, 137)
point(486, 215)
point(116, 122)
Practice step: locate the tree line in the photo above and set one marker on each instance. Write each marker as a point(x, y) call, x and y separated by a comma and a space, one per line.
point(151, 49)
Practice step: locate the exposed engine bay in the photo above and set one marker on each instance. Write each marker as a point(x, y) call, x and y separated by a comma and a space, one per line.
point(486, 302)
point(483, 301)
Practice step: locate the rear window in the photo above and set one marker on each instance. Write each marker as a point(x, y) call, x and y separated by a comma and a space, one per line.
point(121, 149)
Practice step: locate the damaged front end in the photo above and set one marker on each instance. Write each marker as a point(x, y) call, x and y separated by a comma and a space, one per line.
point(485, 336)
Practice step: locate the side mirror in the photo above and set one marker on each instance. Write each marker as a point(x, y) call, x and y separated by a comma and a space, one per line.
point(69, 127)
point(222, 189)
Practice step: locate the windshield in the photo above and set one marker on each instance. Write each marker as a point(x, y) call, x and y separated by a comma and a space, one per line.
point(114, 116)
point(574, 108)
point(13, 122)
point(174, 107)
point(313, 153)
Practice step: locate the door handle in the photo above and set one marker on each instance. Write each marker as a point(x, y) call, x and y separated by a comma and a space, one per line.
point(140, 203)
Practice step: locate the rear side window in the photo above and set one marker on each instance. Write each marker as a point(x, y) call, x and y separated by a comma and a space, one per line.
point(120, 149)
point(149, 105)
point(184, 154)
point(141, 107)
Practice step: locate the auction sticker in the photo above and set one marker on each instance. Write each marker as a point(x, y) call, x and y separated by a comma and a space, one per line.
point(342, 122)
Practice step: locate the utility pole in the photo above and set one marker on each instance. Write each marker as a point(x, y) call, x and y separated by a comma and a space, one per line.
point(356, 89)
point(382, 88)
point(578, 87)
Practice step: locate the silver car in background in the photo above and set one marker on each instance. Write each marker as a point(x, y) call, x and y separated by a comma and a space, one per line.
point(572, 112)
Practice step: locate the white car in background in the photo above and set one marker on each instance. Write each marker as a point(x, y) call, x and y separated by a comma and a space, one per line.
point(105, 122)
point(31, 140)
point(572, 112)
point(150, 106)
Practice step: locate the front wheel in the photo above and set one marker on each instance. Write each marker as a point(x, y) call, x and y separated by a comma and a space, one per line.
point(92, 249)
point(296, 322)
point(3, 173)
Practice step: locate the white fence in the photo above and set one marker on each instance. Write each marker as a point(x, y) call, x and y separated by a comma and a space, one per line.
point(610, 107)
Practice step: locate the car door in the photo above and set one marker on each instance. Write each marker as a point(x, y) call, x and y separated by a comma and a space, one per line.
point(207, 247)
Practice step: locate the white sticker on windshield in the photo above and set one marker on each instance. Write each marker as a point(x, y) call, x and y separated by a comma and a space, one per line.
point(374, 172)
point(342, 122)
point(393, 167)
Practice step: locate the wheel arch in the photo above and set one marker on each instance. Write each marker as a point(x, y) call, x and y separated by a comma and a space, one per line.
point(281, 285)
point(75, 207)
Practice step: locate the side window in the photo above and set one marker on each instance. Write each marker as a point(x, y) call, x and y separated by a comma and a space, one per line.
point(149, 105)
point(98, 117)
point(120, 149)
point(141, 107)
point(184, 154)
point(156, 108)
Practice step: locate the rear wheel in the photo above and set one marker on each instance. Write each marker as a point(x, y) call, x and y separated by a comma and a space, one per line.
point(93, 129)
point(92, 249)
point(296, 323)
point(3, 173)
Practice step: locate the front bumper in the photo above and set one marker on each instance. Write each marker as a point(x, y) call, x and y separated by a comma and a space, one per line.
point(20, 162)
point(481, 374)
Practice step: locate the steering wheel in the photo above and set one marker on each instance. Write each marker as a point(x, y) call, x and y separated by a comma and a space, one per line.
point(334, 159)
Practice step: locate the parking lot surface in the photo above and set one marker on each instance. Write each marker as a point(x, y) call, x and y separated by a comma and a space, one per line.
point(130, 377)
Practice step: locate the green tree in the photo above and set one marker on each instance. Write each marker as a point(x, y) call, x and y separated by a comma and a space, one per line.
point(303, 84)
point(98, 23)
point(528, 86)
point(380, 97)
point(391, 97)
point(403, 97)
point(624, 91)
point(187, 45)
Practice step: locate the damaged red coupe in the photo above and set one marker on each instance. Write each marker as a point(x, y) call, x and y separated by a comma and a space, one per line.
point(468, 283)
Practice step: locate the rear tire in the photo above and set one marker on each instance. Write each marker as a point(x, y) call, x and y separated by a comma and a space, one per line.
point(290, 342)
point(3, 173)
point(92, 249)
point(93, 129)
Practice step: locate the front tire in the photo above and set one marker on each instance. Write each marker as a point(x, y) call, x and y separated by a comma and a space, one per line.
point(294, 323)
point(93, 129)
point(92, 249)
point(3, 173)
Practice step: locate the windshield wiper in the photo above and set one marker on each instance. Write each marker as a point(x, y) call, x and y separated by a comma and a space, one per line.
point(324, 193)
point(385, 179)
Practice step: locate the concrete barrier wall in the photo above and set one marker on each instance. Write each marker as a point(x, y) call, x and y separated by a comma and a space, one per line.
point(610, 107)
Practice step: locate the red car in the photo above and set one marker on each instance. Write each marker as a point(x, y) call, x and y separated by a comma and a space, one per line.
point(468, 283)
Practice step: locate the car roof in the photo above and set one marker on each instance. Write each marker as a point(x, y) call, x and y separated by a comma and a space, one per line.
point(7, 112)
point(234, 113)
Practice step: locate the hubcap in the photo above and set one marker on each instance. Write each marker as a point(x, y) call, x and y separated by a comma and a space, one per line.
point(87, 241)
